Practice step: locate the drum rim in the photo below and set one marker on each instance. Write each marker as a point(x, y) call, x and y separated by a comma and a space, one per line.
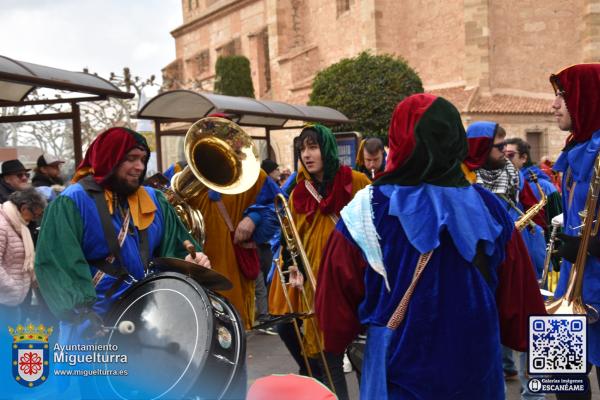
point(241, 351)
point(197, 288)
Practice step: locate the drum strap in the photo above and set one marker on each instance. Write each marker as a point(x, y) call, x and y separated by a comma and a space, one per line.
point(107, 266)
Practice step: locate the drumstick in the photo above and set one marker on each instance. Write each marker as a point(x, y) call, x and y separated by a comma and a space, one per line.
point(189, 246)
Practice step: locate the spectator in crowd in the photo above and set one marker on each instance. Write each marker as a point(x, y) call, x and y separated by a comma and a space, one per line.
point(371, 157)
point(13, 176)
point(17, 251)
point(285, 174)
point(271, 168)
point(47, 172)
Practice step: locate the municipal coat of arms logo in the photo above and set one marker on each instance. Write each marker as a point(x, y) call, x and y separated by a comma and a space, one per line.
point(30, 354)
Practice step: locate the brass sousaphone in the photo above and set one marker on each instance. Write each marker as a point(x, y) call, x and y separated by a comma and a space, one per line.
point(220, 156)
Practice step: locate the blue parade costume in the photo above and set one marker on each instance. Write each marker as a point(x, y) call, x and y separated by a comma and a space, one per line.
point(431, 324)
point(543, 180)
point(576, 164)
point(73, 240)
point(474, 293)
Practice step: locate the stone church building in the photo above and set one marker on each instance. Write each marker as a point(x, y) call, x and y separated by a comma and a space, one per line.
point(491, 59)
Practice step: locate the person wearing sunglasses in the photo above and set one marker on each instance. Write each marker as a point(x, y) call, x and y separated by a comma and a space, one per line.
point(14, 176)
point(518, 152)
point(487, 160)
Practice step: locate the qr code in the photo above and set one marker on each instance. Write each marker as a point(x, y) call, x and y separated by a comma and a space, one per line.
point(557, 344)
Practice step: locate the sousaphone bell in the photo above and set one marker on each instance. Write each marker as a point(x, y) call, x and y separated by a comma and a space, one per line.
point(220, 156)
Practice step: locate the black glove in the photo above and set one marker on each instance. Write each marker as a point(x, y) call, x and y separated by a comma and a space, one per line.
point(569, 246)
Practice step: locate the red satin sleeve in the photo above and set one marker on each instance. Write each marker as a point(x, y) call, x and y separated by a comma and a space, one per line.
point(340, 289)
point(518, 294)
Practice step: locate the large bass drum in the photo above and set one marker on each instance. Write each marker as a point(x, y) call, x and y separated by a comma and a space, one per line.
point(181, 341)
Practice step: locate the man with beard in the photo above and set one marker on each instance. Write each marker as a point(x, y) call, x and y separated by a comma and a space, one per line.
point(486, 157)
point(47, 172)
point(427, 261)
point(102, 231)
point(488, 166)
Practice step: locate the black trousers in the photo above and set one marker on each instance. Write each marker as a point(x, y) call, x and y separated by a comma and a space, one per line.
point(334, 361)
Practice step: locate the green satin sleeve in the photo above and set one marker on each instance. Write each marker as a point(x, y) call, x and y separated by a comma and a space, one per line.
point(61, 269)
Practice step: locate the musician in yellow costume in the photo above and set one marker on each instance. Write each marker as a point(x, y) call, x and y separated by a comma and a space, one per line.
point(323, 188)
point(234, 223)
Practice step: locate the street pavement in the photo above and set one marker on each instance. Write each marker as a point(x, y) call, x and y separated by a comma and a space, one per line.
point(266, 355)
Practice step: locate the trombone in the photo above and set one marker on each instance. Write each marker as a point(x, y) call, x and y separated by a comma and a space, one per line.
point(298, 255)
point(572, 302)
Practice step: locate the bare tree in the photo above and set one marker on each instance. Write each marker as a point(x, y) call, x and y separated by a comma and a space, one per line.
point(98, 116)
point(56, 137)
point(48, 135)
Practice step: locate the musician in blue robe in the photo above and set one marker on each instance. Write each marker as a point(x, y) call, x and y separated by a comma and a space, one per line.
point(575, 107)
point(444, 342)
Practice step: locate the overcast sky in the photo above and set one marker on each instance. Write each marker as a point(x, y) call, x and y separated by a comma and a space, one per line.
point(103, 35)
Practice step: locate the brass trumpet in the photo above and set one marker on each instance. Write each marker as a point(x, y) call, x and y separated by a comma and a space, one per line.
point(220, 156)
point(292, 240)
point(572, 302)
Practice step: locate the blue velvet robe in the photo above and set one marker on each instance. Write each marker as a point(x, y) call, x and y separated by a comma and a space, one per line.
point(576, 165)
point(449, 344)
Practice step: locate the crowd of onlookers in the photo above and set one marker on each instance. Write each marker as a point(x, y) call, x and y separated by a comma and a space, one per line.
point(22, 206)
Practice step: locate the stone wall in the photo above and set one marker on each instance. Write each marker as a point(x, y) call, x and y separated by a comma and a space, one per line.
point(498, 48)
point(429, 34)
point(530, 41)
point(223, 28)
